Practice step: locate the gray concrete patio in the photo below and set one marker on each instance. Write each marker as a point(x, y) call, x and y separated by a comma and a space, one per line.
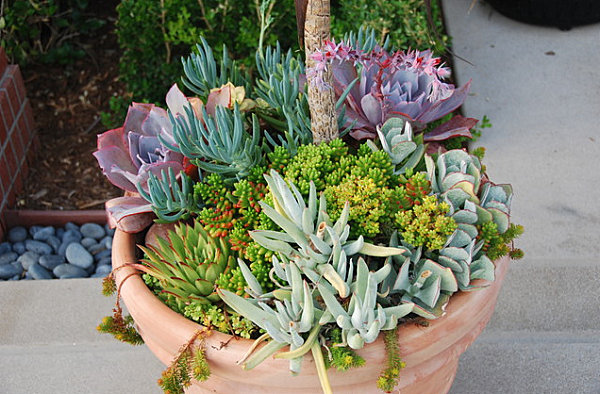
point(540, 87)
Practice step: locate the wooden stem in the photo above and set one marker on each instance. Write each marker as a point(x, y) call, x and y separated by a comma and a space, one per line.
point(321, 100)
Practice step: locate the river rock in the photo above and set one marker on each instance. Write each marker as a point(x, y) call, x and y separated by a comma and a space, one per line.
point(7, 258)
point(7, 271)
point(105, 253)
point(19, 248)
point(44, 233)
point(77, 255)
point(107, 242)
point(105, 261)
point(104, 269)
point(71, 227)
point(87, 242)
point(17, 234)
point(92, 230)
point(54, 242)
point(70, 271)
point(51, 261)
point(36, 271)
point(5, 248)
point(71, 236)
point(34, 229)
point(28, 258)
point(38, 247)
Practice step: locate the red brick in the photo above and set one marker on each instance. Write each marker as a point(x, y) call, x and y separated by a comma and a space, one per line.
point(22, 135)
point(4, 129)
point(5, 177)
point(3, 61)
point(18, 183)
point(6, 110)
point(11, 198)
point(17, 81)
point(17, 145)
point(11, 159)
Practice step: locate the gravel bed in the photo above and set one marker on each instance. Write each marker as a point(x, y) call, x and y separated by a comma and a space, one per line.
point(48, 252)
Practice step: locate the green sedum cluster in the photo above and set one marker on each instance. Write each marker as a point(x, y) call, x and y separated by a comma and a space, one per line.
point(426, 224)
point(214, 317)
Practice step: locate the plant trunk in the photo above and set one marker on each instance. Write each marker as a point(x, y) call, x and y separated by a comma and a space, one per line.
point(321, 100)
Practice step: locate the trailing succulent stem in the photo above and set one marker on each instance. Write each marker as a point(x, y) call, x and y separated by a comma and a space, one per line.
point(390, 375)
point(190, 363)
point(119, 326)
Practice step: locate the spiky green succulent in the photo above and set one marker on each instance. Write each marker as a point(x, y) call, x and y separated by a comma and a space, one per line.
point(188, 263)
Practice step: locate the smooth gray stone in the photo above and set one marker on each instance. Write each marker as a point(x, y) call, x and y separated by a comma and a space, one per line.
point(17, 234)
point(43, 233)
point(16, 277)
point(87, 242)
point(38, 272)
point(28, 258)
point(102, 255)
point(71, 236)
point(19, 248)
point(92, 230)
point(51, 261)
point(7, 258)
point(91, 269)
point(96, 248)
point(63, 248)
point(38, 247)
point(54, 242)
point(107, 242)
point(105, 261)
point(59, 232)
point(77, 255)
point(109, 231)
point(105, 269)
point(5, 247)
point(99, 275)
point(69, 270)
point(34, 229)
point(71, 226)
point(7, 271)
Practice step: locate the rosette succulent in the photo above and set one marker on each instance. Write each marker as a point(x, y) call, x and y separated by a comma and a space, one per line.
point(379, 86)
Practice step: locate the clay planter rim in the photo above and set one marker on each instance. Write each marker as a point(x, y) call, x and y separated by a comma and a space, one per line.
point(31, 217)
point(446, 338)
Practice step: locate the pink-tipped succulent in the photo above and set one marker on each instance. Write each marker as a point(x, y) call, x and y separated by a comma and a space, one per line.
point(128, 154)
point(403, 84)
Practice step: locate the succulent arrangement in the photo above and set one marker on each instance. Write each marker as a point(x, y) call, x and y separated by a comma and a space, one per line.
point(302, 246)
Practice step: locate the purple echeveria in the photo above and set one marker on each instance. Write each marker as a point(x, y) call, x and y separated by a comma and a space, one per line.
point(127, 155)
point(403, 84)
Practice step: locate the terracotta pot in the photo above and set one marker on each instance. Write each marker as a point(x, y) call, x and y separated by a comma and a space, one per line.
point(431, 353)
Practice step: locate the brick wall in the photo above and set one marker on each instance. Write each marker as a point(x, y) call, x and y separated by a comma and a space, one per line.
point(17, 135)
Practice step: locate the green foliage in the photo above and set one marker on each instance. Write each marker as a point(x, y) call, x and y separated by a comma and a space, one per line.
point(404, 21)
point(460, 142)
point(342, 357)
point(324, 164)
point(170, 201)
point(122, 328)
point(426, 223)
point(44, 30)
point(496, 245)
point(189, 364)
point(153, 35)
point(109, 286)
point(214, 317)
point(188, 263)
point(368, 204)
point(389, 376)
